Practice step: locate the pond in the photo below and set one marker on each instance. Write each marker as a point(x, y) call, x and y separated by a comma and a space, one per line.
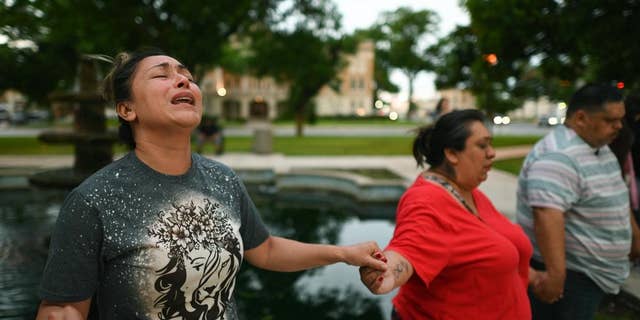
point(334, 292)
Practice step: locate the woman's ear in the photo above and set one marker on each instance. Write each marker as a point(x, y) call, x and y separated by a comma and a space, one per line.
point(451, 156)
point(125, 111)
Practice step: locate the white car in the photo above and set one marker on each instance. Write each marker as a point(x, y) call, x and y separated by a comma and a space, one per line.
point(501, 120)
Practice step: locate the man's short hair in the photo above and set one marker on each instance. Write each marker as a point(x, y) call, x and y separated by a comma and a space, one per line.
point(593, 98)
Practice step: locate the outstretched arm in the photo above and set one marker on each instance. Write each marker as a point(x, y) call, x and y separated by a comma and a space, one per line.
point(399, 270)
point(280, 254)
point(64, 311)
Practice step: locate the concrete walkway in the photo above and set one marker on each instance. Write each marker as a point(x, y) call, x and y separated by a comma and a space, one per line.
point(500, 186)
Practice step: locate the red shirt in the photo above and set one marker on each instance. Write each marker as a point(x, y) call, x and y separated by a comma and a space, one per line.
point(464, 267)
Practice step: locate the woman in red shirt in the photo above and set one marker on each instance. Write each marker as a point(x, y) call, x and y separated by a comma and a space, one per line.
point(453, 255)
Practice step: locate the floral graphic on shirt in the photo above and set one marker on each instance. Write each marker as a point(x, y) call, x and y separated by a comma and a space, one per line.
point(204, 258)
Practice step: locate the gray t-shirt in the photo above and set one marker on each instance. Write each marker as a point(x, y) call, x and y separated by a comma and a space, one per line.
point(145, 245)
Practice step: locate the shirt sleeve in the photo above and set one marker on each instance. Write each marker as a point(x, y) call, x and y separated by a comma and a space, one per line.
point(553, 182)
point(421, 236)
point(252, 230)
point(71, 273)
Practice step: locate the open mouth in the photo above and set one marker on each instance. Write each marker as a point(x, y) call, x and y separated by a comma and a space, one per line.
point(188, 99)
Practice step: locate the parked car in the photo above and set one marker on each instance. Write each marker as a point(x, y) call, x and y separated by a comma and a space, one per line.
point(4, 115)
point(554, 118)
point(38, 115)
point(18, 117)
point(500, 119)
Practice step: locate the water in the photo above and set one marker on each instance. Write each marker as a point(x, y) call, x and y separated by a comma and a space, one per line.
point(333, 292)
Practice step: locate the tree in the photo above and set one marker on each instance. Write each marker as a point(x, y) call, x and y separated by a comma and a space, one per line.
point(459, 63)
point(560, 42)
point(193, 31)
point(305, 53)
point(400, 37)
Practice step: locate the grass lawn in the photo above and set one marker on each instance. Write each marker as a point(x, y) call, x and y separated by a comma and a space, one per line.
point(283, 145)
point(509, 165)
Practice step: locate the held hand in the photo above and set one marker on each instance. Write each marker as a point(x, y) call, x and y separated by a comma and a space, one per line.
point(376, 281)
point(549, 288)
point(535, 277)
point(366, 254)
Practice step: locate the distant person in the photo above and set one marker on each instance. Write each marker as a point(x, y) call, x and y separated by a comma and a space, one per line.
point(210, 131)
point(574, 205)
point(632, 107)
point(442, 107)
point(621, 148)
point(453, 255)
point(162, 232)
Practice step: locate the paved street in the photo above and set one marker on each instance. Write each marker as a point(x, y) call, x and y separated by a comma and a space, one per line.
point(517, 129)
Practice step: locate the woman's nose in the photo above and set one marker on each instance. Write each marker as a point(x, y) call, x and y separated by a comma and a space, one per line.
point(183, 81)
point(491, 152)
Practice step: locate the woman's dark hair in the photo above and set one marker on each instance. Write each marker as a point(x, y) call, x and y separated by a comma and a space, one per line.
point(117, 85)
point(449, 132)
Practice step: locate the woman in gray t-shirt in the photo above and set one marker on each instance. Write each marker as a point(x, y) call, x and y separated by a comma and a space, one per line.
point(161, 232)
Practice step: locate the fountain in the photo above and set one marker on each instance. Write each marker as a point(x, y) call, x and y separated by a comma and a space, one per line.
point(90, 137)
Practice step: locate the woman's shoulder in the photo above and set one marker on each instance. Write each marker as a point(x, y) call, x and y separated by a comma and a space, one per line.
point(213, 166)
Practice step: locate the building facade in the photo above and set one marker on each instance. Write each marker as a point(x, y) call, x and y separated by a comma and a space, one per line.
point(245, 97)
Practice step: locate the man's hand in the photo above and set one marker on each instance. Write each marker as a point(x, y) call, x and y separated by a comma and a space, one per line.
point(549, 288)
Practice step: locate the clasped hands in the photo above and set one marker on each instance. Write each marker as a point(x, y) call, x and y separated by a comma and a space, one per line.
point(547, 287)
point(377, 281)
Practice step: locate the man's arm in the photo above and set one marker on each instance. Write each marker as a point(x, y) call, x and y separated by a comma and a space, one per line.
point(64, 311)
point(549, 233)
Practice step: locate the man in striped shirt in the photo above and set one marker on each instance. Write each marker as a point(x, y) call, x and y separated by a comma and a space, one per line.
point(574, 205)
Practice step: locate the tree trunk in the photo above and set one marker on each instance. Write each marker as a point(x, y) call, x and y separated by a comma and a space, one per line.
point(412, 106)
point(299, 122)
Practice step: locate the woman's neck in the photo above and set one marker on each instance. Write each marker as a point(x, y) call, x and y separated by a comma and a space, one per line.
point(452, 180)
point(166, 160)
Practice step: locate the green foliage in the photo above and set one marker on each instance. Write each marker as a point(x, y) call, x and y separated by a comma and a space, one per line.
point(551, 47)
point(399, 37)
point(60, 31)
point(307, 56)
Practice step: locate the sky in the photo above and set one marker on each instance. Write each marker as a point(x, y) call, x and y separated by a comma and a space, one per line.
point(363, 13)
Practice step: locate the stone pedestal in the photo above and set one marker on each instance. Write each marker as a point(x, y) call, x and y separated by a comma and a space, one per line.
point(262, 141)
point(90, 137)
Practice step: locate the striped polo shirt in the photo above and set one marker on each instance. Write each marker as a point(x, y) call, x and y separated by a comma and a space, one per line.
point(563, 172)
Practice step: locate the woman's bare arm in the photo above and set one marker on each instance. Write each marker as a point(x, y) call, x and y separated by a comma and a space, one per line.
point(281, 254)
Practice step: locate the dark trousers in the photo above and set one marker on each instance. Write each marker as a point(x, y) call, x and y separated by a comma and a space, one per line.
point(581, 298)
point(394, 315)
